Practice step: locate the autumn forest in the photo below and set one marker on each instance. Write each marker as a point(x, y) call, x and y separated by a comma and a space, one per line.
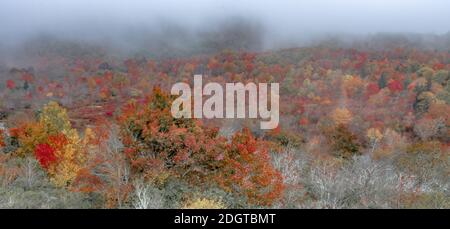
point(362, 124)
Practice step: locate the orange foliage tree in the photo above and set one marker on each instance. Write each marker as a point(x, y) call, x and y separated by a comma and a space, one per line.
point(55, 144)
point(247, 169)
point(157, 144)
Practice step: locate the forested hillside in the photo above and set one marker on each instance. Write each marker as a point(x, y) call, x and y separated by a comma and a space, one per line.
point(360, 127)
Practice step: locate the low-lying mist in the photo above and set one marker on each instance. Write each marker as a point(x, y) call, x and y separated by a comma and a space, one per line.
point(165, 29)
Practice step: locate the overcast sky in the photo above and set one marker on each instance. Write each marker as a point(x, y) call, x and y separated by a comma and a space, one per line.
point(20, 19)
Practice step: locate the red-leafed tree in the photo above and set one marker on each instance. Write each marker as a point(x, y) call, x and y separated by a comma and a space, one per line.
point(395, 86)
point(372, 89)
point(10, 84)
point(45, 154)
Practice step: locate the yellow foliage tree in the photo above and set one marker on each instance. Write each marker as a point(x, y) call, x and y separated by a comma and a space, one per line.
point(351, 84)
point(54, 119)
point(341, 116)
point(71, 155)
point(204, 203)
point(71, 158)
point(54, 130)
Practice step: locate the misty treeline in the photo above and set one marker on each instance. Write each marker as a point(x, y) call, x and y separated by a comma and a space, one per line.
point(170, 40)
point(167, 40)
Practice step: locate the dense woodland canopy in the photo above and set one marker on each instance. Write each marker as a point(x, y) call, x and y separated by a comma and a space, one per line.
point(360, 127)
